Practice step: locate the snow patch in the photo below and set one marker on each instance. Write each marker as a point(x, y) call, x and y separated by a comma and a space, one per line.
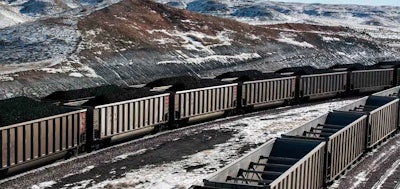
point(225, 59)
point(194, 40)
point(289, 38)
point(81, 184)
point(42, 185)
point(89, 72)
point(361, 177)
point(384, 177)
point(78, 71)
point(6, 78)
point(163, 41)
point(253, 37)
point(124, 156)
point(10, 16)
point(326, 38)
point(87, 42)
point(84, 170)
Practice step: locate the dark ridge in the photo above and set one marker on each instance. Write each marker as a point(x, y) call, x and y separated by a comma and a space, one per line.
point(239, 74)
point(33, 7)
point(65, 96)
point(127, 94)
point(204, 6)
point(389, 64)
point(252, 12)
point(350, 67)
point(304, 70)
point(248, 75)
point(184, 83)
point(22, 109)
point(320, 71)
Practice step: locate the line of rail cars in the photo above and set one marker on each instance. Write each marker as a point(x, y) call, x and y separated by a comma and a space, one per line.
point(109, 113)
point(316, 153)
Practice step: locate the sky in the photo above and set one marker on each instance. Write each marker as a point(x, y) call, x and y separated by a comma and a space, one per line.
point(359, 2)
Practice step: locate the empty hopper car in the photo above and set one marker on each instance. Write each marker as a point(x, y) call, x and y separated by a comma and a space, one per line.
point(318, 152)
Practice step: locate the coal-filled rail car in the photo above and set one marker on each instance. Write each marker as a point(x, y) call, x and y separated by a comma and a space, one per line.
point(344, 133)
point(258, 90)
point(395, 65)
point(317, 83)
point(117, 113)
point(371, 80)
point(367, 78)
point(282, 163)
point(382, 115)
point(33, 133)
point(194, 99)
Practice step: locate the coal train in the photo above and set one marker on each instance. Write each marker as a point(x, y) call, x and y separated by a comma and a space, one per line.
point(315, 154)
point(65, 123)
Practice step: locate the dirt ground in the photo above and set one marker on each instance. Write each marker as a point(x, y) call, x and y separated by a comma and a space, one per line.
point(379, 169)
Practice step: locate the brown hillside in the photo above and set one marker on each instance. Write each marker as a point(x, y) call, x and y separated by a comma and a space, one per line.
point(144, 25)
point(133, 21)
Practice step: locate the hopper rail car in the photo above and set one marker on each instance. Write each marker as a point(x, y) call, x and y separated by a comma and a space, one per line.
point(92, 118)
point(318, 152)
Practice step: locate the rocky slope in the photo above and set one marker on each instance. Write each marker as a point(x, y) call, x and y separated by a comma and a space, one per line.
point(135, 41)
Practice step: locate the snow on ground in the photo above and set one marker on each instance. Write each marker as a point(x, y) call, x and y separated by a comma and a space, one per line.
point(10, 16)
point(289, 38)
point(124, 156)
point(361, 177)
point(384, 177)
point(249, 132)
point(78, 70)
point(326, 38)
point(43, 185)
point(194, 40)
point(6, 78)
point(370, 167)
point(225, 59)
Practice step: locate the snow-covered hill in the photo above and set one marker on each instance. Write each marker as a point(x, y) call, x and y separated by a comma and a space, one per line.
point(14, 12)
point(381, 22)
point(10, 16)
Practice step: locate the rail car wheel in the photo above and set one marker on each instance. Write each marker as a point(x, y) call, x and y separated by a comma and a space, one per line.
point(229, 113)
point(3, 173)
point(288, 102)
point(71, 153)
point(159, 128)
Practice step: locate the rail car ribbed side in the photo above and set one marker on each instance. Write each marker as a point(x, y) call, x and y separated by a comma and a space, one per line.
point(115, 119)
point(344, 133)
point(322, 85)
point(196, 102)
point(371, 80)
point(268, 91)
point(382, 116)
point(32, 140)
